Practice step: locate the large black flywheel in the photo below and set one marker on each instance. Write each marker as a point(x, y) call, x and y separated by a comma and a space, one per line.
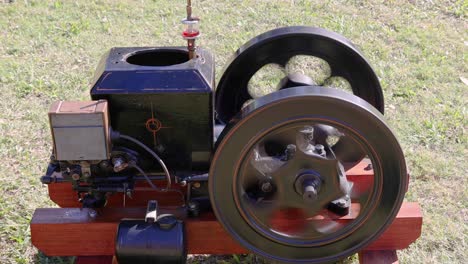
point(279, 189)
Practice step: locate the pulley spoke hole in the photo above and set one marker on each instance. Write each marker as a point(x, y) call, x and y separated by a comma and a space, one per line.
point(265, 80)
point(316, 68)
point(274, 148)
point(332, 140)
point(338, 82)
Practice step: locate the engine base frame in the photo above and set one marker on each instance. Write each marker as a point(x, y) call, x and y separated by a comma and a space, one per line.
point(73, 231)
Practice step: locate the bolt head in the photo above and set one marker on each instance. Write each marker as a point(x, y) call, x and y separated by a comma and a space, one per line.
point(291, 148)
point(104, 164)
point(75, 176)
point(92, 213)
point(267, 187)
point(342, 202)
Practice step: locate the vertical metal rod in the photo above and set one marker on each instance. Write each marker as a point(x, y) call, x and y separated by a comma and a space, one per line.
point(189, 9)
point(189, 192)
point(190, 42)
point(191, 48)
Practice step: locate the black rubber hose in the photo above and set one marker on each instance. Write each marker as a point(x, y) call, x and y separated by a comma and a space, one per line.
point(146, 177)
point(156, 157)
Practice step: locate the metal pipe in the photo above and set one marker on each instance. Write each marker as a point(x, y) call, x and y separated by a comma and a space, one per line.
point(189, 9)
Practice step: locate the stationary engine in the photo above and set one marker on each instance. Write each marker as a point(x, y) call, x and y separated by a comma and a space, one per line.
point(274, 168)
point(151, 110)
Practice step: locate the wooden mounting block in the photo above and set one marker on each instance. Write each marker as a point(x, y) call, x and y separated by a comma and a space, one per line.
point(73, 232)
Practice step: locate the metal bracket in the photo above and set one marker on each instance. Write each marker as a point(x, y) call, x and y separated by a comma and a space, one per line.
point(151, 211)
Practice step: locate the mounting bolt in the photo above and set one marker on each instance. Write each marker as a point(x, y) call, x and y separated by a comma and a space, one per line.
point(290, 151)
point(75, 176)
point(129, 193)
point(340, 206)
point(104, 164)
point(92, 213)
point(340, 203)
point(53, 160)
point(320, 149)
point(193, 208)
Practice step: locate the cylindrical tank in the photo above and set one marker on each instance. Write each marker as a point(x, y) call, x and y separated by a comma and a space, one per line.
point(159, 242)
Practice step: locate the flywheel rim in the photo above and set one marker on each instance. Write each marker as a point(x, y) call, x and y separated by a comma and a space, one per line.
point(231, 217)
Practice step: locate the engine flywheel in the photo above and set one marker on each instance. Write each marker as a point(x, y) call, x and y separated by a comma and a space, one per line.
point(279, 189)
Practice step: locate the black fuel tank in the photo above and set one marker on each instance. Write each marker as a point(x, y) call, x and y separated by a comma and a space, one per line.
point(151, 243)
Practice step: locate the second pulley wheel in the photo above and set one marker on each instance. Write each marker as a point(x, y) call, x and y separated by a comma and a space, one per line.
point(278, 47)
point(280, 190)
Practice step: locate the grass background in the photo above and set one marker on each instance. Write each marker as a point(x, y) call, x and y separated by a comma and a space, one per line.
point(49, 50)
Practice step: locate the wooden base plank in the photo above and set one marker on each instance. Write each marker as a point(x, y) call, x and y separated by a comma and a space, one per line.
point(405, 229)
point(365, 257)
point(72, 232)
point(378, 257)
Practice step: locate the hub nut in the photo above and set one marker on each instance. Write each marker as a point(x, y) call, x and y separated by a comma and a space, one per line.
point(308, 185)
point(267, 187)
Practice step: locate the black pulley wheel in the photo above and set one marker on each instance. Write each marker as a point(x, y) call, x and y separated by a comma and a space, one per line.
point(278, 46)
point(275, 187)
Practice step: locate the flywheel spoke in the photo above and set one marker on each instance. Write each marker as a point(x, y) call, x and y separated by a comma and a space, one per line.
point(266, 165)
point(261, 209)
point(323, 227)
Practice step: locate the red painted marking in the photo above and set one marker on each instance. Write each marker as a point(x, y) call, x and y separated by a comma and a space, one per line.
point(153, 125)
point(190, 34)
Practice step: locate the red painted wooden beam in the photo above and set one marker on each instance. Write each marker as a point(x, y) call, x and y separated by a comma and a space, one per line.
point(378, 257)
point(71, 232)
point(64, 196)
point(95, 260)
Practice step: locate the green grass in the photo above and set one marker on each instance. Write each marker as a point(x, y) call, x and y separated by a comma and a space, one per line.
point(49, 49)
